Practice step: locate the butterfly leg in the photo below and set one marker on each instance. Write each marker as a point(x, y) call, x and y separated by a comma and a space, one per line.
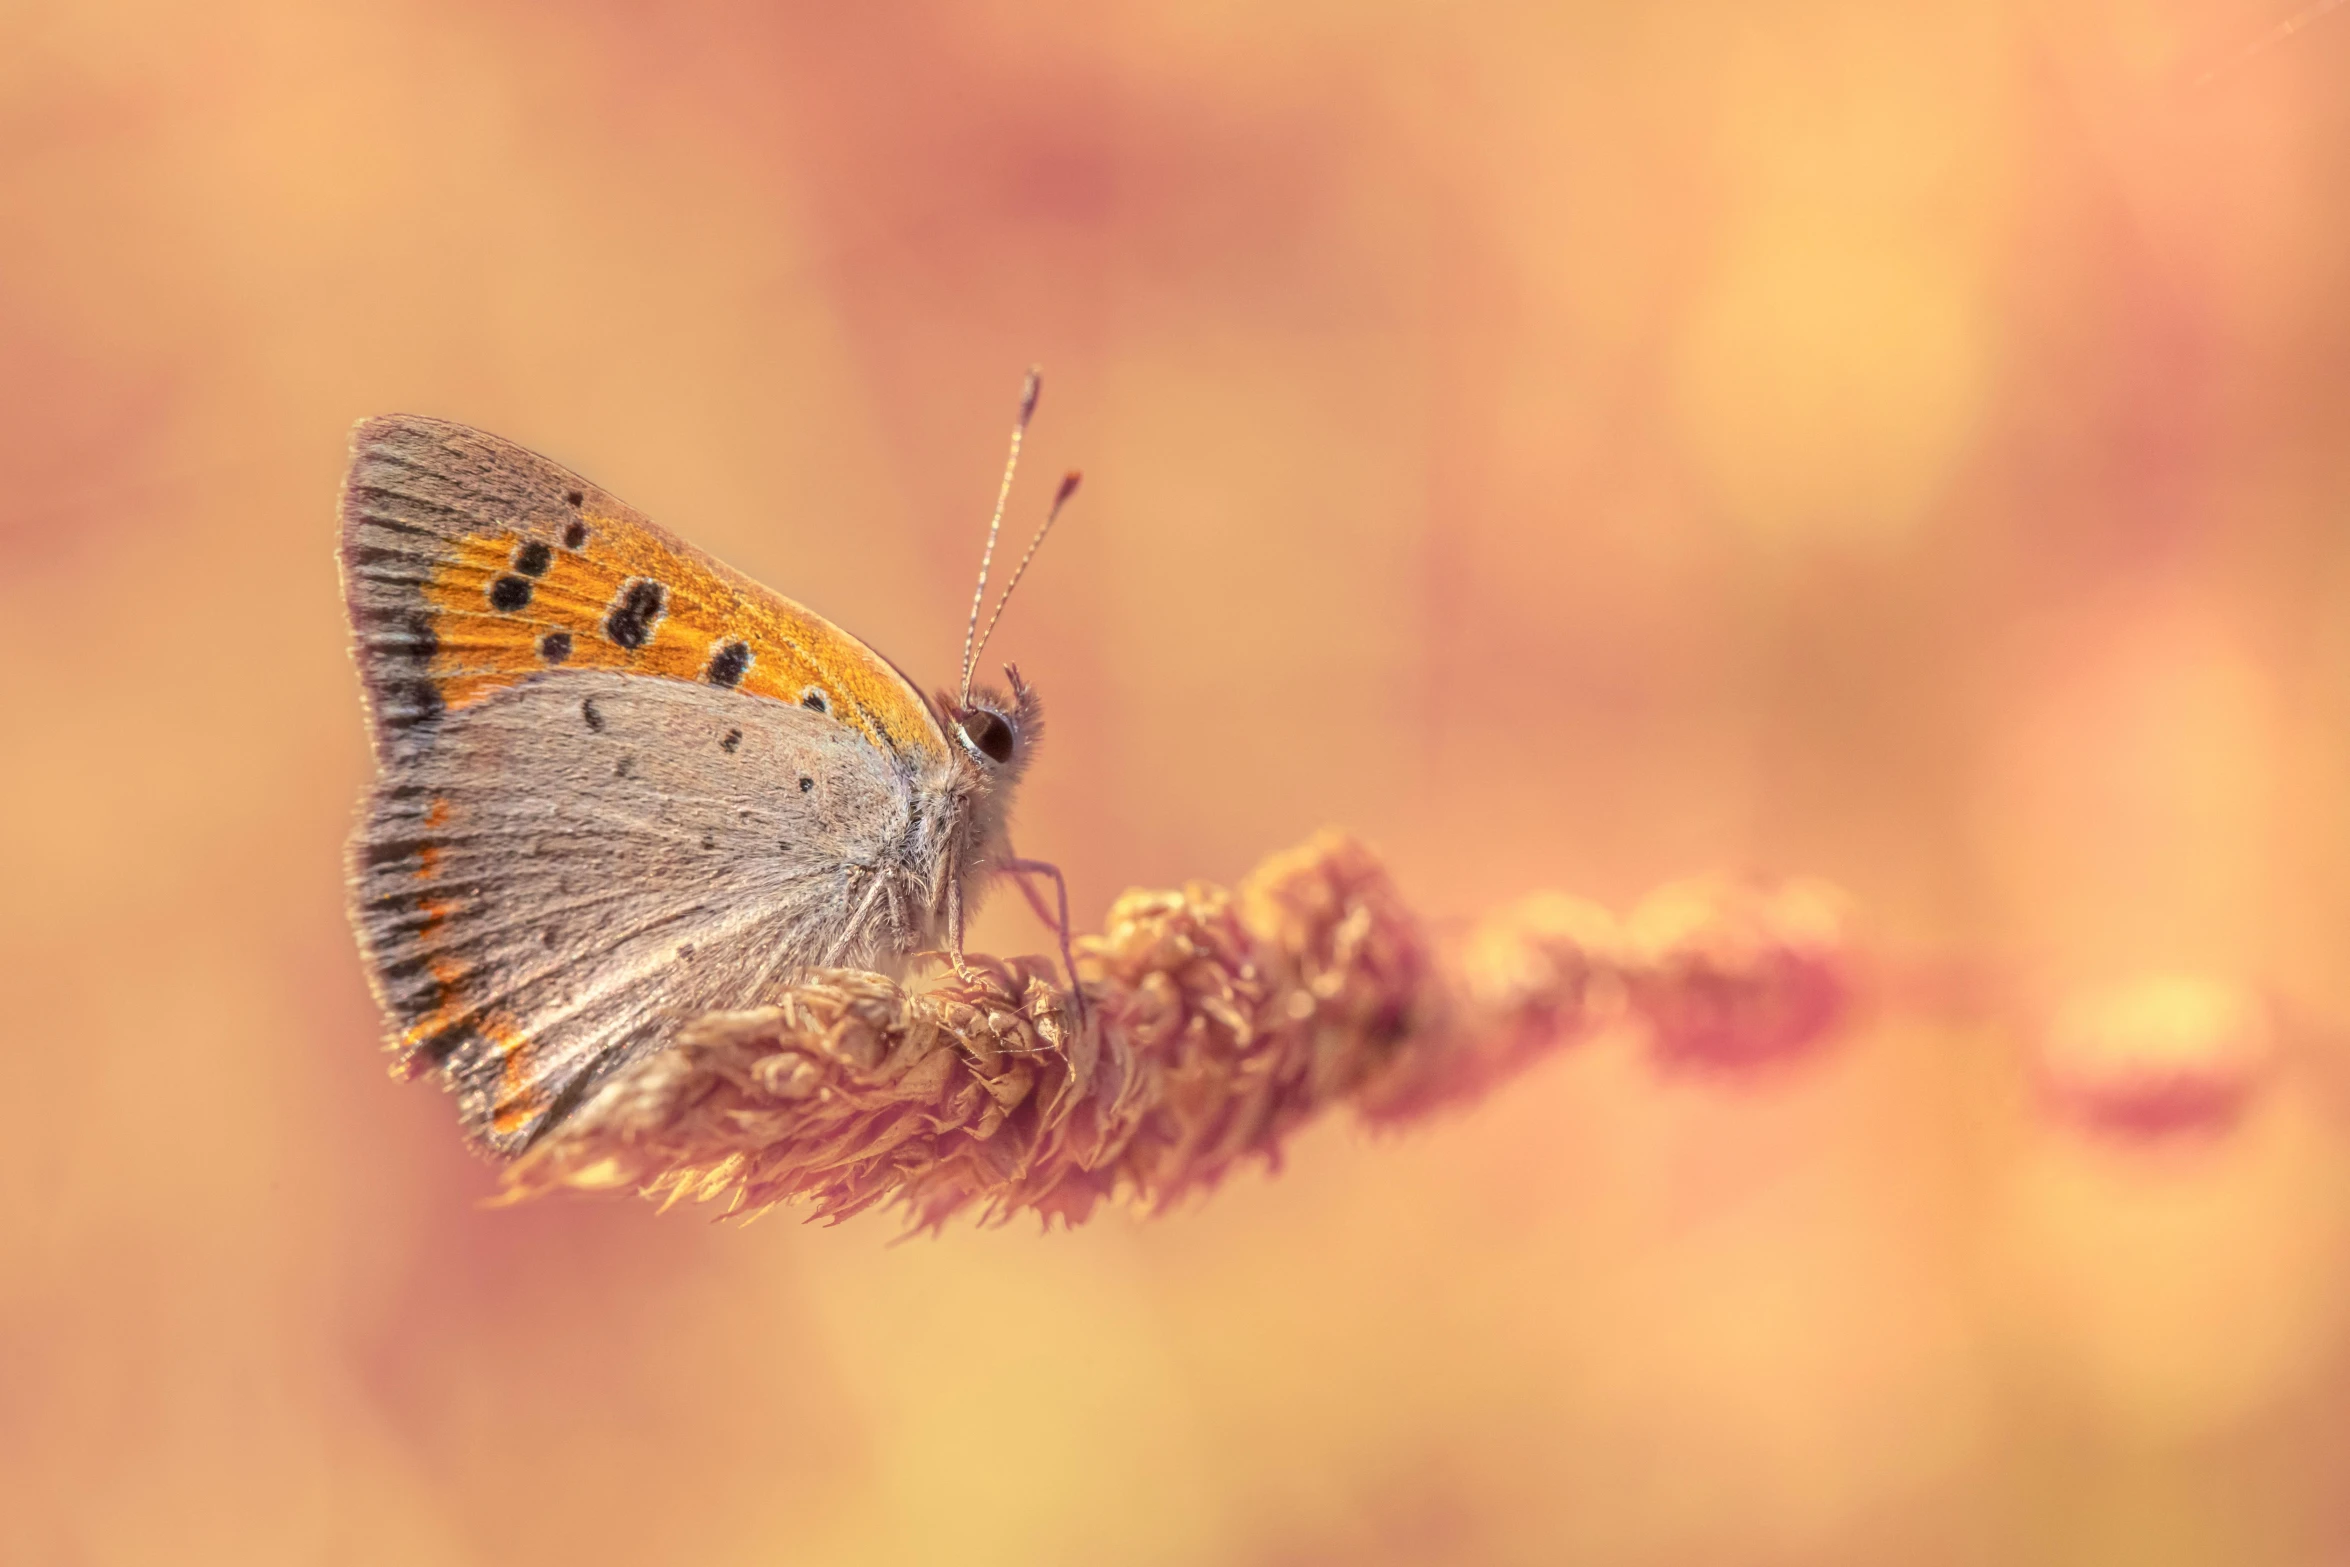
point(1020, 871)
point(955, 928)
point(1046, 917)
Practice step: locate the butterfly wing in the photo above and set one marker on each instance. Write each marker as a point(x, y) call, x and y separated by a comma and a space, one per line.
point(620, 784)
point(470, 563)
point(581, 861)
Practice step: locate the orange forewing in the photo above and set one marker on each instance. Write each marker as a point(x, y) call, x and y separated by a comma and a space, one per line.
point(706, 605)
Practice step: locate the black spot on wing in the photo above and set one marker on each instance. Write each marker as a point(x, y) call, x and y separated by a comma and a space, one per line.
point(815, 701)
point(422, 641)
point(555, 646)
point(574, 533)
point(408, 703)
point(393, 851)
point(416, 999)
point(510, 593)
point(634, 614)
point(728, 663)
point(435, 1049)
point(594, 715)
point(734, 737)
point(533, 559)
point(397, 634)
point(807, 784)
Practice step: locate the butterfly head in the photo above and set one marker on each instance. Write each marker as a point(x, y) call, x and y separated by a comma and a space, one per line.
point(996, 730)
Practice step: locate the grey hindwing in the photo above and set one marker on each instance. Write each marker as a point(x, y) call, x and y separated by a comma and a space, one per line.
point(577, 863)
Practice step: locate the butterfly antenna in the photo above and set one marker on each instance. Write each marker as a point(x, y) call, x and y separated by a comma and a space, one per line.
point(995, 523)
point(1069, 483)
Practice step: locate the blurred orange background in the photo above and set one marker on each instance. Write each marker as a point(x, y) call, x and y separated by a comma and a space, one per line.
point(1569, 445)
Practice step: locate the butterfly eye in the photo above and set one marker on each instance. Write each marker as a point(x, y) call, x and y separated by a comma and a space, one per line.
point(989, 733)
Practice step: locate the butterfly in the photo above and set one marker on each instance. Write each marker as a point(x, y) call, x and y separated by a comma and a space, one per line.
point(620, 784)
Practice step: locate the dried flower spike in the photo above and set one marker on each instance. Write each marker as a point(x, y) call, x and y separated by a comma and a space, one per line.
point(1221, 1022)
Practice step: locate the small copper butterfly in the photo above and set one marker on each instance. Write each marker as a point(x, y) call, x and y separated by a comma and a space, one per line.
point(620, 784)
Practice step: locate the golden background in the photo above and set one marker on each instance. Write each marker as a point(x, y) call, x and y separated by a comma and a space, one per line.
point(1570, 445)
